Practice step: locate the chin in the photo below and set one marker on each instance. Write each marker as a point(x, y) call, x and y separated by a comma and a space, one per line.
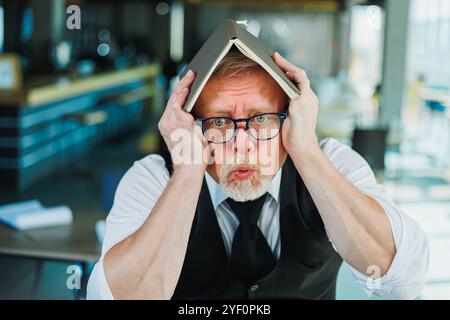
point(245, 190)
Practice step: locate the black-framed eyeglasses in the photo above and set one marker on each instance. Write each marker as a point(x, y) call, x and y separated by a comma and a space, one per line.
point(263, 126)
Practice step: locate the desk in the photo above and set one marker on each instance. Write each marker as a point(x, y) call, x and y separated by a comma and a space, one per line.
point(75, 244)
point(80, 187)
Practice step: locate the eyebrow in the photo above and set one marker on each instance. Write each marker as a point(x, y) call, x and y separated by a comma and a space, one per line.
point(252, 110)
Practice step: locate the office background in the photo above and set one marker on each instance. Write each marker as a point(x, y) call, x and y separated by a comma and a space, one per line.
point(78, 106)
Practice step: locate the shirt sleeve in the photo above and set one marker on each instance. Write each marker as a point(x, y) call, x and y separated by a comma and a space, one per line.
point(135, 197)
point(407, 273)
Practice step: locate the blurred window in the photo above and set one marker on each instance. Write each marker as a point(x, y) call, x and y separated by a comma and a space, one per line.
point(366, 47)
point(306, 38)
point(429, 42)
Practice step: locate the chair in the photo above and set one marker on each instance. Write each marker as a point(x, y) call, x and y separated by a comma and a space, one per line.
point(371, 145)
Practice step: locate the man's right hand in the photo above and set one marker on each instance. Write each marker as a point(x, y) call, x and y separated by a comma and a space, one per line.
point(147, 264)
point(183, 137)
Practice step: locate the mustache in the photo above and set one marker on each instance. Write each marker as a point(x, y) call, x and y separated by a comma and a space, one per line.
point(227, 169)
point(242, 159)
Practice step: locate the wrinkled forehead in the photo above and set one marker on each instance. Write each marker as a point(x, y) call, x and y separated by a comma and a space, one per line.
point(241, 94)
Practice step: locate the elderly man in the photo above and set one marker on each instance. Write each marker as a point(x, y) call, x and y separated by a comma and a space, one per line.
point(271, 216)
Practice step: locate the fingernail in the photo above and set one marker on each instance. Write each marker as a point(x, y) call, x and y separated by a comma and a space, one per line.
point(190, 73)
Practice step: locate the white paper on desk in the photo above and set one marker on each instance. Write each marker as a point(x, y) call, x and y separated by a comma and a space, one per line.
point(17, 207)
point(34, 218)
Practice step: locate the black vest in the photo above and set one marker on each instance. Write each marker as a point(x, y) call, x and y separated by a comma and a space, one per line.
point(307, 267)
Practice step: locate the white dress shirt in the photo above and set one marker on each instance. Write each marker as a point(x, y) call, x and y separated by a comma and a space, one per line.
point(145, 181)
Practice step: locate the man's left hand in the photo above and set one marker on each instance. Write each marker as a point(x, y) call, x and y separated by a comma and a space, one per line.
point(299, 129)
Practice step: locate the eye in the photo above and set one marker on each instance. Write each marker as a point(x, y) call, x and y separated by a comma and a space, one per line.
point(261, 118)
point(219, 122)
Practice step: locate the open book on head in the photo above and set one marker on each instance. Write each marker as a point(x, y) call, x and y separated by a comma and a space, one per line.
point(230, 33)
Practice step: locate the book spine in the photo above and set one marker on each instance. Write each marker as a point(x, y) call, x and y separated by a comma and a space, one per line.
point(231, 29)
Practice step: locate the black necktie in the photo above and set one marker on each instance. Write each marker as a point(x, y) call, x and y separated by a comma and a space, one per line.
point(251, 257)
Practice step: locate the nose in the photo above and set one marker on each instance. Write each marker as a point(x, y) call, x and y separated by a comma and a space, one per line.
point(243, 143)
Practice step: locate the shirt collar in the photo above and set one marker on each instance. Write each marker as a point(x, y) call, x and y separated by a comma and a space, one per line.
point(218, 195)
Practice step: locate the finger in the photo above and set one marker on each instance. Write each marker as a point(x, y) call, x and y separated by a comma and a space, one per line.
point(176, 94)
point(185, 82)
point(300, 79)
point(179, 89)
point(285, 65)
point(182, 116)
point(178, 99)
point(293, 72)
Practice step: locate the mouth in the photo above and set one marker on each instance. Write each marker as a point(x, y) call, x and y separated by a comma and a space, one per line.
point(242, 173)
